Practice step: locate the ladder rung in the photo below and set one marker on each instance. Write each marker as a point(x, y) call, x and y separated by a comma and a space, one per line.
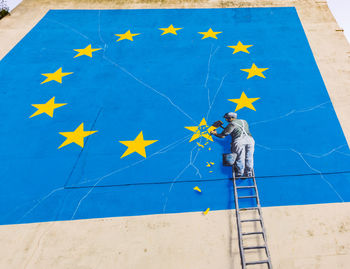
point(252, 233)
point(257, 262)
point(248, 208)
point(243, 197)
point(255, 247)
point(245, 187)
point(249, 220)
point(243, 177)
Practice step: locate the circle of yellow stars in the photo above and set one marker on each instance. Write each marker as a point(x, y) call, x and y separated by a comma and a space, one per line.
point(138, 145)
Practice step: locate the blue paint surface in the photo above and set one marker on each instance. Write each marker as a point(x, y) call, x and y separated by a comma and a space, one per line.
point(160, 84)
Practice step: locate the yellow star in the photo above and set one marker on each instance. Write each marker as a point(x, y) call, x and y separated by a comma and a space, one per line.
point(244, 101)
point(203, 130)
point(127, 35)
point(210, 33)
point(57, 76)
point(255, 71)
point(240, 47)
point(87, 51)
point(76, 137)
point(47, 108)
point(138, 145)
point(169, 30)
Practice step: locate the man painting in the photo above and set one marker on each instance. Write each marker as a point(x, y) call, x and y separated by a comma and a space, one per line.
point(242, 144)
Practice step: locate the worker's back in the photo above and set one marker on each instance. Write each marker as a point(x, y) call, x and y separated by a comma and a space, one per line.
point(238, 128)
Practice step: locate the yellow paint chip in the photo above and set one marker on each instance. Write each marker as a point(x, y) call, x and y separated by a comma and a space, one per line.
point(209, 148)
point(197, 189)
point(206, 211)
point(210, 171)
point(199, 145)
point(211, 163)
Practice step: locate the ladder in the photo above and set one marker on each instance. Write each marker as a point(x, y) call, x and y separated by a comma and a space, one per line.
point(248, 184)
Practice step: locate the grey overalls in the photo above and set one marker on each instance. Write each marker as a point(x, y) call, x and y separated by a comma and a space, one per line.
point(242, 144)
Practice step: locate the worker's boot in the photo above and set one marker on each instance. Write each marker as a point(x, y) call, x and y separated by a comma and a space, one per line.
point(238, 175)
point(250, 174)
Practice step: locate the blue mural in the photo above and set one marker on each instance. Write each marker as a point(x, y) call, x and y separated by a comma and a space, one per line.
point(108, 113)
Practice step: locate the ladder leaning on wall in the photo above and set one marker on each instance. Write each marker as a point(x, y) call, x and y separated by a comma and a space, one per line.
point(248, 185)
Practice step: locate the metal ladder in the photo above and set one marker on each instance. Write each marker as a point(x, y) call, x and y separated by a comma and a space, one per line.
point(255, 196)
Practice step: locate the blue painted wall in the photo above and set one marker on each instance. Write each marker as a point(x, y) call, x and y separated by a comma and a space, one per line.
point(158, 85)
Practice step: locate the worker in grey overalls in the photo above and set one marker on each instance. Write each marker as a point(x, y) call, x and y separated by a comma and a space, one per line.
point(242, 143)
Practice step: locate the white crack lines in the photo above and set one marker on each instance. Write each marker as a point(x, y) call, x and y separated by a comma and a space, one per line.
point(320, 173)
point(70, 28)
point(301, 156)
point(294, 111)
point(328, 153)
point(149, 87)
point(39, 202)
point(99, 28)
point(161, 151)
point(216, 93)
point(208, 71)
point(105, 46)
point(191, 163)
point(121, 67)
point(192, 160)
point(131, 75)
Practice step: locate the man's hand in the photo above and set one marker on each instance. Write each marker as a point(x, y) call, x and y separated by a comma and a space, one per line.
point(216, 134)
point(213, 132)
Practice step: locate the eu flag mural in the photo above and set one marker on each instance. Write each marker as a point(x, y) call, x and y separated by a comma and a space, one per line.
point(109, 113)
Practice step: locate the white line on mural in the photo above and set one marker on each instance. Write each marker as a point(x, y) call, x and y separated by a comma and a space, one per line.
point(327, 153)
point(300, 154)
point(294, 111)
point(149, 87)
point(320, 173)
point(40, 201)
point(216, 93)
point(124, 69)
point(161, 151)
point(191, 162)
point(70, 28)
point(208, 72)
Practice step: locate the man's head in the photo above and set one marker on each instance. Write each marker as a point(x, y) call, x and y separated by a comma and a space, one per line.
point(230, 116)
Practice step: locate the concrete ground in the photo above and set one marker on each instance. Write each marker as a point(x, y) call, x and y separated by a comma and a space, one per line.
point(311, 236)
